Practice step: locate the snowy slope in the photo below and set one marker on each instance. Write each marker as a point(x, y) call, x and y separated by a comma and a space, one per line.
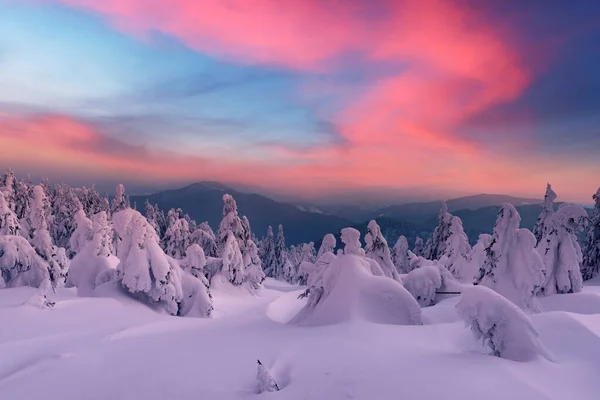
point(116, 348)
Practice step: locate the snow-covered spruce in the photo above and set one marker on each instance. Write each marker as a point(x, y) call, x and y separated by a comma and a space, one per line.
point(82, 234)
point(120, 201)
point(560, 250)
point(195, 263)
point(476, 258)
point(351, 239)
point(436, 245)
point(156, 218)
point(512, 266)
point(419, 247)
point(427, 282)
point(9, 223)
point(149, 274)
point(91, 201)
point(306, 256)
point(177, 239)
point(230, 224)
point(400, 256)
point(65, 205)
point(544, 223)
point(43, 296)
point(254, 272)
point(204, 236)
point(267, 253)
point(315, 272)
point(377, 249)
point(327, 245)
point(233, 263)
point(590, 266)
point(350, 291)
point(266, 382)
point(457, 250)
point(500, 324)
point(20, 265)
point(284, 270)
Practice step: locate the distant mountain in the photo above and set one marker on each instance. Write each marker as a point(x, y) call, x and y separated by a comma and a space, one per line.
point(421, 212)
point(203, 201)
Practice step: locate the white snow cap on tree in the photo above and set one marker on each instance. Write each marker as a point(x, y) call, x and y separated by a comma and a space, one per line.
point(425, 283)
point(400, 256)
point(205, 237)
point(231, 223)
point(327, 245)
point(545, 219)
point(20, 265)
point(195, 262)
point(254, 272)
point(83, 232)
point(590, 267)
point(177, 239)
point(351, 239)
point(512, 266)
point(457, 250)
point(121, 201)
point(267, 254)
point(436, 245)
point(560, 250)
point(419, 247)
point(501, 325)
point(9, 223)
point(144, 269)
point(377, 249)
point(233, 263)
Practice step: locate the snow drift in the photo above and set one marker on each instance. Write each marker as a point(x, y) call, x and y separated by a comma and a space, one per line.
point(352, 292)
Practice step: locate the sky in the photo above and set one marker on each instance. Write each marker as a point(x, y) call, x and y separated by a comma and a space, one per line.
point(307, 99)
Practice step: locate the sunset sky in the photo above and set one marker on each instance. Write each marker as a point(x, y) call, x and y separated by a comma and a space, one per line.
point(305, 97)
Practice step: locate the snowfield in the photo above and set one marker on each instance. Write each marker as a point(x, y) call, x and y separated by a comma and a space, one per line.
point(113, 347)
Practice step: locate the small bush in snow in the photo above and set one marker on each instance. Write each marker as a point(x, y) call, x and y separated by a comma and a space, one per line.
point(500, 324)
point(266, 382)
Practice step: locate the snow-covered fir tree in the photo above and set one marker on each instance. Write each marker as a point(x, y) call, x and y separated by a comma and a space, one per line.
point(40, 237)
point(195, 262)
point(436, 245)
point(544, 220)
point(9, 223)
point(400, 256)
point(457, 254)
point(560, 250)
point(233, 263)
point(120, 201)
point(283, 267)
point(82, 234)
point(20, 265)
point(65, 205)
point(7, 187)
point(419, 247)
point(327, 245)
point(231, 223)
point(91, 200)
point(254, 271)
point(306, 254)
point(267, 254)
point(151, 214)
point(590, 266)
point(512, 266)
point(177, 239)
point(266, 382)
point(23, 192)
point(205, 237)
point(377, 249)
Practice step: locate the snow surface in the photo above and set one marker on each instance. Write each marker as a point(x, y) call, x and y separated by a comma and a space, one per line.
point(98, 348)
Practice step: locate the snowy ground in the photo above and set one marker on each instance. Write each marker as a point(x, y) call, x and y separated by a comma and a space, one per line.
point(115, 348)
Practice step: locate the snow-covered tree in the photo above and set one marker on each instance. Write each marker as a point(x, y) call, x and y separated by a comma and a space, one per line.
point(177, 239)
point(267, 254)
point(476, 258)
point(40, 237)
point(501, 325)
point(351, 239)
point(9, 223)
point(65, 205)
point(400, 256)
point(458, 250)
point(436, 245)
point(590, 266)
point(254, 272)
point(7, 187)
point(83, 232)
point(283, 267)
point(23, 191)
point(195, 263)
point(205, 237)
point(306, 254)
point(144, 269)
point(327, 245)
point(102, 235)
point(91, 200)
point(121, 200)
point(419, 247)
point(20, 265)
point(544, 220)
point(233, 263)
point(42, 298)
point(560, 250)
point(266, 382)
point(377, 249)
point(426, 282)
point(512, 266)
point(231, 223)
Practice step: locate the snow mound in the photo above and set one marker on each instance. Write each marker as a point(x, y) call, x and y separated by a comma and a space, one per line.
point(426, 282)
point(352, 292)
point(500, 324)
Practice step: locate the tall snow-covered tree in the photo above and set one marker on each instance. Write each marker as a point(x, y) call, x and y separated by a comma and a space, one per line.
point(457, 254)
point(544, 223)
point(7, 187)
point(205, 237)
point(327, 245)
point(283, 267)
point(65, 205)
point(231, 223)
point(233, 263)
point(121, 200)
point(512, 266)
point(254, 272)
point(400, 256)
point(419, 247)
point(9, 223)
point(177, 239)
point(560, 250)
point(91, 200)
point(436, 245)
point(590, 266)
point(23, 192)
point(267, 254)
point(377, 249)
point(41, 240)
point(20, 265)
point(195, 262)
point(82, 234)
